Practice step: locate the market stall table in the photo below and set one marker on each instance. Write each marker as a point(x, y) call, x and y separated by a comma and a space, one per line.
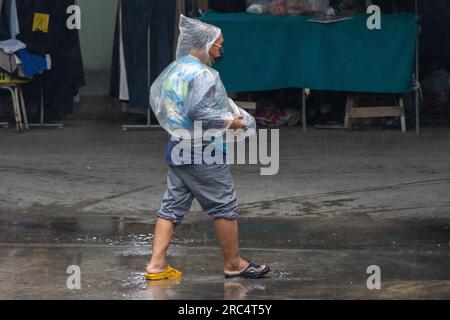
point(266, 52)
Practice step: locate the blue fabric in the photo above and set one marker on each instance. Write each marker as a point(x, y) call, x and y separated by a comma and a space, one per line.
point(32, 64)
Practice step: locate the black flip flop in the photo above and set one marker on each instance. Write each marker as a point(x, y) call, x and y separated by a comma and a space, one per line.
point(253, 271)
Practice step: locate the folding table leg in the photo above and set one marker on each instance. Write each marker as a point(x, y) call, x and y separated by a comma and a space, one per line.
point(402, 118)
point(348, 112)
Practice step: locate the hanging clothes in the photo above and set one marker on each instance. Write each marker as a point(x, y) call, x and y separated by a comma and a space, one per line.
point(434, 40)
point(9, 22)
point(5, 18)
point(143, 48)
point(51, 37)
point(14, 28)
point(124, 93)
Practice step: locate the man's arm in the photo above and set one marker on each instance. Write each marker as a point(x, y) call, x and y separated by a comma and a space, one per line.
point(200, 102)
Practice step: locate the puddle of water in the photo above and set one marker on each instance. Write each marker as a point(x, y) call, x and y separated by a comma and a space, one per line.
point(135, 280)
point(135, 252)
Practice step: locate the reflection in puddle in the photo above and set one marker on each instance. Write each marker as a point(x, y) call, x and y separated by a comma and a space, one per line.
point(162, 290)
point(177, 288)
point(239, 289)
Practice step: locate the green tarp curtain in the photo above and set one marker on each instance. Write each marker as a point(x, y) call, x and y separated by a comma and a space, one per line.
point(264, 52)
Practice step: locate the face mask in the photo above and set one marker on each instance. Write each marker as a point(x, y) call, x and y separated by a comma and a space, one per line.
point(219, 58)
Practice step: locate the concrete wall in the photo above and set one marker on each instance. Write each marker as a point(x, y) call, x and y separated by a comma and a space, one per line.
point(97, 32)
point(98, 19)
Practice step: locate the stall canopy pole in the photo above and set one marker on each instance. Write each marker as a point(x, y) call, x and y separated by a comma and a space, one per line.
point(417, 78)
point(304, 124)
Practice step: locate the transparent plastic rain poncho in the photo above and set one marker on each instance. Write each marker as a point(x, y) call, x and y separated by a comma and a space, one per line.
point(190, 90)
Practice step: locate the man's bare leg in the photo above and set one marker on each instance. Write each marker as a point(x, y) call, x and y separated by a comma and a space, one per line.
point(163, 235)
point(227, 233)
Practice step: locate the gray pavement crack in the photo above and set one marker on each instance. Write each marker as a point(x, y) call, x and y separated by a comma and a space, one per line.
point(84, 204)
point(256, 204)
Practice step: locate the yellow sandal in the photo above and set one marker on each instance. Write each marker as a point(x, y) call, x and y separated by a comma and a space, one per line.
point(166, 274)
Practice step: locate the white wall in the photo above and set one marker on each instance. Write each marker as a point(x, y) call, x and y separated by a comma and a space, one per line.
point(97, 32)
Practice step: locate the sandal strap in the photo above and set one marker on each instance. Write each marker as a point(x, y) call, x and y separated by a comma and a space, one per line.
point(253, 268)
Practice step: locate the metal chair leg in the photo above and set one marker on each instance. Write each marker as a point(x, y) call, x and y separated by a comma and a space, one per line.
point(18, 109)
point(15, 106)
point(22, 105)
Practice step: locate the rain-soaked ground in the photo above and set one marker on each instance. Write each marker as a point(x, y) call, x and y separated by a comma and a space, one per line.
point(317, 258)
point(341, 202)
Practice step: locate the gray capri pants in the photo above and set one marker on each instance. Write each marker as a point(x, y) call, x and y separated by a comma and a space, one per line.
point(211, 185)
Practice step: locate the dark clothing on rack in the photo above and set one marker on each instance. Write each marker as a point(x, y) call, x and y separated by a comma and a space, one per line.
point(5, 20)
point(4, 23)
point(139, 18)
point(62, 82)
point(434, 39)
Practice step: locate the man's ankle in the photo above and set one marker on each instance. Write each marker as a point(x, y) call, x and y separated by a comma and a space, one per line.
point(234, 265)
point(157, 264)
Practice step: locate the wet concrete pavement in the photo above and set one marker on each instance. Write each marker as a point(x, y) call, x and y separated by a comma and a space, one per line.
point(341, 203)
point(317, 258)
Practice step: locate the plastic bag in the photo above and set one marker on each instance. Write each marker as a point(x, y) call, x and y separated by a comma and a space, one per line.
point(170, 92)
point(247, 119)
point(294, 7)
point(278, 7)
point(273, 117)
point(315, 6)
point(259, 7)
point(196, 37)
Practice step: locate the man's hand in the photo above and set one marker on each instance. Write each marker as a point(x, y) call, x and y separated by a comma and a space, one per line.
point(237, 124)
